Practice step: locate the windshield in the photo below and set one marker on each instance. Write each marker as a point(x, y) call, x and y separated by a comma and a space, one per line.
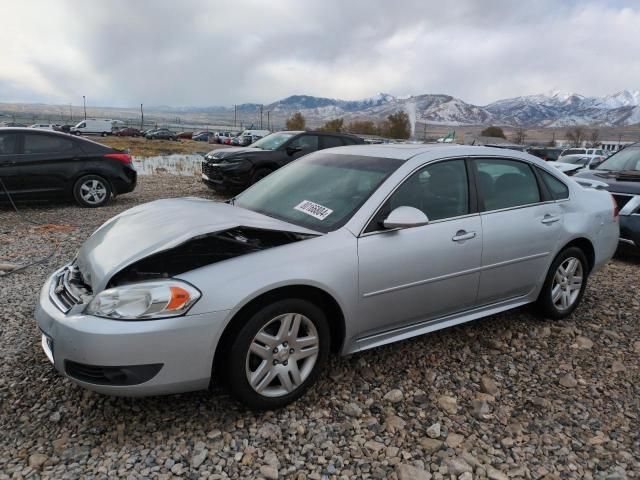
point(574, 160)
point(320, 191)
point(273, 141)
point(627, 159)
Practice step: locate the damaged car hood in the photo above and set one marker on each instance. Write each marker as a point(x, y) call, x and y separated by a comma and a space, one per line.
point(161, 225)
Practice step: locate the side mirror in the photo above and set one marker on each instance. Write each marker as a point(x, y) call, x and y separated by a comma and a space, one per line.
point(292, 150)
point(405, 217)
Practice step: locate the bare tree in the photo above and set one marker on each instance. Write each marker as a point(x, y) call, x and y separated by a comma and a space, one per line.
point(594, 137)
point(296, 122)
point(576, 136)
point(519, 136)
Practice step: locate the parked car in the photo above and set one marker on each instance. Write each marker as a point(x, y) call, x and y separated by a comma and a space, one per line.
point(185, 135)
point(246, 140)
point(621, 173)
point(233, 169)
point(344, 250)
point(571, 164)
point(222, 137)
point(128, 132)
point(583, 151)
point(63, 128)
point(161, 134)
point(546, 153)
point(235, 141)
point(38, 164)
point(204, 137)
point(92, 126)
point(44, 126)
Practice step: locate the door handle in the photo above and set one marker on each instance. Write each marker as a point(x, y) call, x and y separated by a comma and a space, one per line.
point(462, 235)
point(549, 219)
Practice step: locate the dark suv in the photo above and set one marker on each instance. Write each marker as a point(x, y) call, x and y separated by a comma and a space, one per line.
point(40, 164)
point(621, 172)
point(234, 169)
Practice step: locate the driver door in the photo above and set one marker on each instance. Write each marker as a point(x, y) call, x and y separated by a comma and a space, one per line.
point(418, 274)
point(302, 145)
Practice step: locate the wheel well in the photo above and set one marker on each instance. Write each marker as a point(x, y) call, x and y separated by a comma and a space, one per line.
point(586, 247)
point(315, 295)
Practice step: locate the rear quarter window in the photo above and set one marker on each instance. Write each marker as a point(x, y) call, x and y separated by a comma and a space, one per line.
point(557, 189)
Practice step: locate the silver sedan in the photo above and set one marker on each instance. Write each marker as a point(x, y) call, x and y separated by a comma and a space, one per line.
point(340, 251)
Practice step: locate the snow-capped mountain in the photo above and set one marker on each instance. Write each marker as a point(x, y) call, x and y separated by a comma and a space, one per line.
point(561, 109)
point(550, 109)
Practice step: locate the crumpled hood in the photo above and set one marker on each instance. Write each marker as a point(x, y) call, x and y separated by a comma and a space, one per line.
point(226, 152)
point(160, 225)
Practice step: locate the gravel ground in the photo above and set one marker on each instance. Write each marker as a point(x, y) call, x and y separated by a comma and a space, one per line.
point(510, 396)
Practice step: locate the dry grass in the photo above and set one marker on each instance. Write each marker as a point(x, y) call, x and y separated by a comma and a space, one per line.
point(141, 147)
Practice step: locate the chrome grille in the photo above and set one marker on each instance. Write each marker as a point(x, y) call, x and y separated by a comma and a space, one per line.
point(68, 288)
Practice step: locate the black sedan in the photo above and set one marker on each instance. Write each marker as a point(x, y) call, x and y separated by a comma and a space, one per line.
point(621, 172)
point(38, 164)
point(161, 134)
point(234, 169)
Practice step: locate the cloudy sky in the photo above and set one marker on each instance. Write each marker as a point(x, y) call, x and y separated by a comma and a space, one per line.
point(192, 52)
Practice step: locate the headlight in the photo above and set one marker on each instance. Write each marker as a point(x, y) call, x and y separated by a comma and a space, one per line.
point(145, 300)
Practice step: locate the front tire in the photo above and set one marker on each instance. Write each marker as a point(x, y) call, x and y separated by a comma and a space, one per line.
point(565, 284)
point(278, 354)
point(92, 191)
point(260, 174)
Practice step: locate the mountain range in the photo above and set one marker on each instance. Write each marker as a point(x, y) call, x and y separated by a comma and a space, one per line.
point(552, 109)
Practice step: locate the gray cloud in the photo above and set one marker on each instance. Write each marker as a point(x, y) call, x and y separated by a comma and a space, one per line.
point(200, 52)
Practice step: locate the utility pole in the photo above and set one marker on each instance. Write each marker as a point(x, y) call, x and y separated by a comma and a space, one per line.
point(70, 114)
point(261, 106)
point(141, 118)
point(268, 119)
point(84, 103)
point(235, 115)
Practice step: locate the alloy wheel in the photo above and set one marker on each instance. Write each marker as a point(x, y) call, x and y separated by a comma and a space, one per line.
point(567, 283)
point(282, 355)
point(93, 191)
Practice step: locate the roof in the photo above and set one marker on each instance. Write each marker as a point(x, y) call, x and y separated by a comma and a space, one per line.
point(407, 151)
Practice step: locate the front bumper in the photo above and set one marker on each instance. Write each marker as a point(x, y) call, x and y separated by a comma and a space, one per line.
point(225, 179)
point(170, 355)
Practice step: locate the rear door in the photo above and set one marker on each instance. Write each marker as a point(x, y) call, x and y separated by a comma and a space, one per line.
point(46, 162)
point(521, 228)
point(329, 141)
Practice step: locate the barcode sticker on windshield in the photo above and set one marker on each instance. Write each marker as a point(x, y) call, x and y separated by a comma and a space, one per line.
point(313, 209)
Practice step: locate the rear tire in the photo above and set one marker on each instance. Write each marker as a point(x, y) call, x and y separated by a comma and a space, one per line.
point(260, 174)
point(277, 354)
point(92, 191)
point(565, 284)
point(104, 134)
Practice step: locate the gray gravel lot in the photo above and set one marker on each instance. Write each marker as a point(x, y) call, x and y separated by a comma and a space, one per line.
point(510, 396)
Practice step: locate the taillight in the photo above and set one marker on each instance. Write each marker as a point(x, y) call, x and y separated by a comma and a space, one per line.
point(121, 157)
point(616, 210)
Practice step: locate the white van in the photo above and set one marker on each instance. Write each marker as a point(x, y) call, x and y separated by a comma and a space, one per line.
point(255, 133)
point(92, 126)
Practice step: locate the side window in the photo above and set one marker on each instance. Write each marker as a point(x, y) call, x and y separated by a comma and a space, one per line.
point(8, 143)
point(557, 189)
point(308, 143)
point(506, 184)
point(440, 190)
point(330, 142)
point(46, 144)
